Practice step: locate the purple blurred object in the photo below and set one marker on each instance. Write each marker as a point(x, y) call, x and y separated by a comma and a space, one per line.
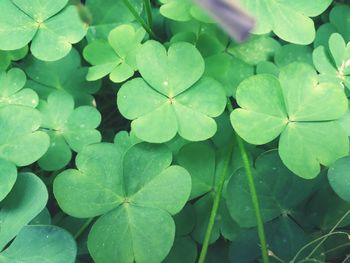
point(232, 18)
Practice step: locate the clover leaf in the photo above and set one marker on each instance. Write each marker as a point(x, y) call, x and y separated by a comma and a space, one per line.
point(51, 27)
point(136, 193)
point(299, 109)
point(172, 97)
point(278, 190)
point(6, 57)
point(183, 10)
point(12, 92)
point(20, 141)
point(334, 65)
point(289, 20)
point(115, 57)
point(26, 200)
point(68, 129)
point(49, 243)
point(109, 15)
point(66, 74)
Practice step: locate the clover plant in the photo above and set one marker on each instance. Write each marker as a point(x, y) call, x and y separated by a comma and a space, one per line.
point(167, 131)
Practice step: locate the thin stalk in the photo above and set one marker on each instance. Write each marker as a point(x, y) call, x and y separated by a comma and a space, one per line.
point(83, 228)
point(139, 18)
point(148, 9)
point(253, 194)
point(216, 204)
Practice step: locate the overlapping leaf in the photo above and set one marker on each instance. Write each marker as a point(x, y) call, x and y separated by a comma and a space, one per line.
point(6, 57)
point(117, 57)
point(47, 243)
point(135, 194)
point(289, 20)
point(300, 110)
point(68, 128)
point(172, 97)
point(26, 200)
point(49, 25)
point(333, 62)
point(66, 74)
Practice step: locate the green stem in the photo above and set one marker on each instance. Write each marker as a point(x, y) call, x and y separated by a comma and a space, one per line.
point(148, 9)
point(216, 204)
point(83, 227)
point(139, 18)
point(254, 196)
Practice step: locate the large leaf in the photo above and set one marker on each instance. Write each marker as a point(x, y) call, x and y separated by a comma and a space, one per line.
point(27, 198)
point(289, 20)
point(51, 27)
point(299, 109)
point(172, 98)
point(47, 243)
point(135, 194)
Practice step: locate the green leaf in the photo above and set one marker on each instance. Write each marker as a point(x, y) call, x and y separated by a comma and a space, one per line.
point(255, 49)
point(295, 108)
point(27, 198)
point(183, 10)
point(51, 27)
point(47, 243)
point(6, 57)
point(136, 189)
point(117, 57)
point(66, 74)
point(109, 15)
point(334, 64)
point(290, 53)
point(172, 98)
point(24, 144)
point(68, 128)
point(12, 92)
point(338, 176)
point(289, 20)
point(277, 188)
point(184, 250)
point(8, 175)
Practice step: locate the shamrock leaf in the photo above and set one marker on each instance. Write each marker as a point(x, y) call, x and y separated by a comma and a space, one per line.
point(183, 10)
point(338, 176)
point(289, 20)
point(68, 128)
point(6, 57)
point(278, 190)
point(300, 110)
point(334, 65)
point(290, 53)
point(49, 243)
point(20, 141)
point(66, 74)
point(135, 193)
point(172, 98)
point(12, 92)
point(115, 57)
point(27, 198)
point(109, 15)
point(8, 175)
point(50, 26)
